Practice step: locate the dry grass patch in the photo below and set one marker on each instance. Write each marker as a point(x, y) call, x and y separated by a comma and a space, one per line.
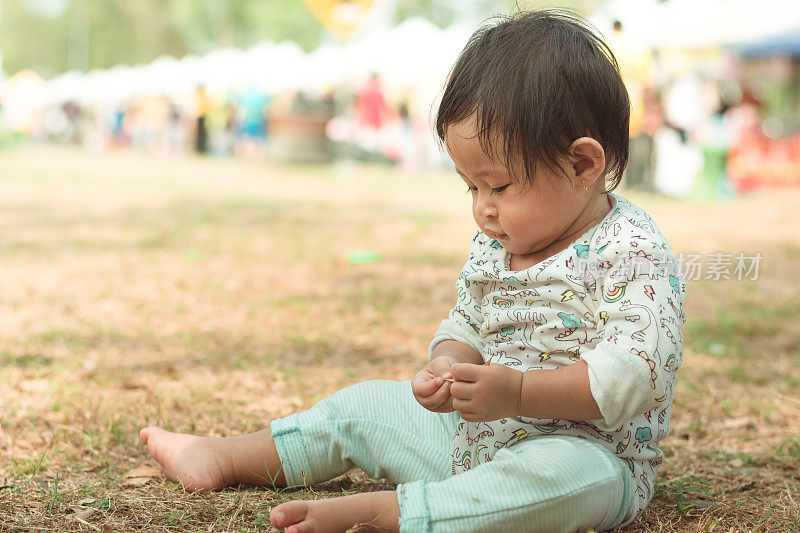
point(212, 296)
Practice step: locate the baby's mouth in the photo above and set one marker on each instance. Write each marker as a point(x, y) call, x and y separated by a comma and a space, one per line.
point(494, 235)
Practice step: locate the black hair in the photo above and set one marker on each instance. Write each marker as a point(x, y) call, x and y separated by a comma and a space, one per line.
point(539, 80)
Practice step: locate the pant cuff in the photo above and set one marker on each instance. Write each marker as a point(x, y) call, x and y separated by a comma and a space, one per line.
point(292, 451)
point(414, 513)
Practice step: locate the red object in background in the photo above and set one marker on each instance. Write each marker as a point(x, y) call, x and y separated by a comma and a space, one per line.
point(371, 105)
point(756, 161)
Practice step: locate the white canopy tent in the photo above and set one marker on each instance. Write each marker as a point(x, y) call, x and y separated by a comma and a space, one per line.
point(410, 54)
point(698, 23)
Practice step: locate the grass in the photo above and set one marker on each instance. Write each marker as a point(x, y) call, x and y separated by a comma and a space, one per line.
point(211, 296)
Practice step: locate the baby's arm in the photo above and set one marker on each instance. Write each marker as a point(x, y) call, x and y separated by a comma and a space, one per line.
point(459, 351)
point(456, 341)
point(558, 393)
point(490, 392)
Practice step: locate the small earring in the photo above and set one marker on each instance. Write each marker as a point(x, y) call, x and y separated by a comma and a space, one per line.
point(585, 188)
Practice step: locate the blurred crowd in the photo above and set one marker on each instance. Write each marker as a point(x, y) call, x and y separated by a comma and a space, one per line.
point(358, 123)
point(706, 127)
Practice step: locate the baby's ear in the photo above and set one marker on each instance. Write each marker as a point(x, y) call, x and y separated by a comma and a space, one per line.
point(588, 160)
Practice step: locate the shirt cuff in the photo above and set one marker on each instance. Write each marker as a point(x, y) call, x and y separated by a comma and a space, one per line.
point(450, 331)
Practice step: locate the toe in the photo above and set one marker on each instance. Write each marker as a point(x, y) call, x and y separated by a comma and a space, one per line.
point(302, 527)
point(148, 436)
point(288, 513)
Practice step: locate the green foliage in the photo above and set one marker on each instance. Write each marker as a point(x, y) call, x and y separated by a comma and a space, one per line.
point(101, 33)
point(245, 22)
point(28, 40)
point(440, 13)
point(91, 34)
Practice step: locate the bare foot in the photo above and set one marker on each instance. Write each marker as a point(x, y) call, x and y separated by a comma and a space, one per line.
point(197, 463)
point(373, 511)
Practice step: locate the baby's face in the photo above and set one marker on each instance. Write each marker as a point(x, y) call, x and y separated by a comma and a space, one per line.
point(529, 221)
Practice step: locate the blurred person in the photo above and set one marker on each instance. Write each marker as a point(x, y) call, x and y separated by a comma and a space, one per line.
point(95, 136)
point(225, 128)
point(202, 110)
point(677, 164)
point(679, 161)
point(536, 411)
point(371, 105)
point(154, 116)
point(73, 112)
point(54, 125)
point(402, 141)
point(714, 138)
point(634, 60)
point(342, 132)
point(686, 103)
point(174, 136)
point(253, 128)
point(372, 114)
point(116, 126)
point(748, 142)
point(640, 173)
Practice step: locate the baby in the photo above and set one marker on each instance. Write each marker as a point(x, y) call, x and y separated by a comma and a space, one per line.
point(550, 383)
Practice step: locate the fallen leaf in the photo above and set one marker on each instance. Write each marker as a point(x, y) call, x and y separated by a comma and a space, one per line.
point(144, 471)
point(740, 423)
point(141, 475)
point(137, 481)
point(81, 513)
point(700, 505)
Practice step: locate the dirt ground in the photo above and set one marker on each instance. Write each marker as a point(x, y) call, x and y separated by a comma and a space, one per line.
point(211, 296)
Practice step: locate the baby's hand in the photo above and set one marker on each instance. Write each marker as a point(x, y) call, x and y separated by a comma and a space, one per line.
point(431, 385)
point(485, 392)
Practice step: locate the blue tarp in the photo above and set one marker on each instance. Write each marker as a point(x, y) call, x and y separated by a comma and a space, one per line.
point(785, 44)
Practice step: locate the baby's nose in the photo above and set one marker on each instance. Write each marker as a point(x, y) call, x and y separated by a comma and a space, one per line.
point(485, 208)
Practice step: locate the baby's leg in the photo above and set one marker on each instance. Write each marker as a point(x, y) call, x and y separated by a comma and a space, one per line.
point(211, 463)
point(543, 484)
point(375, 425)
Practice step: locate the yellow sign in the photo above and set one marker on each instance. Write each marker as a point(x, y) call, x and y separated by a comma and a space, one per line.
point(342, 18)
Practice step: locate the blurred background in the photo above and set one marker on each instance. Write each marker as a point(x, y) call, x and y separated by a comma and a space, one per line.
point(714, 84)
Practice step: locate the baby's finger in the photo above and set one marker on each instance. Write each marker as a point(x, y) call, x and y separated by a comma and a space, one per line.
point(462, 405)
point(447, 406)
point(439, 396)
point(426, 387)
point(471, 417)
point(466, 371)
point(463, 390)
point(448, 376)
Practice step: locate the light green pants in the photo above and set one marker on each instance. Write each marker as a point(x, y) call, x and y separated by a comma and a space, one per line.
point(537, 485)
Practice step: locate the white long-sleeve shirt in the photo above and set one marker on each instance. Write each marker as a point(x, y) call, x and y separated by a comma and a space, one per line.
point(613, 299)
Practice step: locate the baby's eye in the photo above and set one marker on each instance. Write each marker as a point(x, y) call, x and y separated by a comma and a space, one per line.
point(499, 190)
